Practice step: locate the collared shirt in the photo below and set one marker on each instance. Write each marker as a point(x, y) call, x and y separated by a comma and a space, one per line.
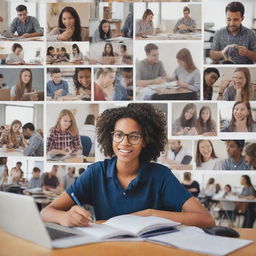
point(13, 58)
point(35, 182)
point(52, 88)
point(59, 140)
point(144, 27)
point(35, 146)
point(245, 37)
point(179, 156)
point(229, 164)
point(188, 22)
point(155, 187)
point(31, 25)
point(146, 71)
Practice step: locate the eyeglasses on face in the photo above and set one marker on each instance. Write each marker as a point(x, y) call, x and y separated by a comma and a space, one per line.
point(133, 137)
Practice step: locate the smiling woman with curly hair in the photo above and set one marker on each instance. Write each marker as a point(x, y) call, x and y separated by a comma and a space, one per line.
point(129, 182)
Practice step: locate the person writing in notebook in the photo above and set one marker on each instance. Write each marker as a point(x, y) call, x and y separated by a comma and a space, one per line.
point(26, 26)
point(129, 182)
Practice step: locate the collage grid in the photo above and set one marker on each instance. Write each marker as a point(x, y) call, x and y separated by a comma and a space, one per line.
point(101, 73)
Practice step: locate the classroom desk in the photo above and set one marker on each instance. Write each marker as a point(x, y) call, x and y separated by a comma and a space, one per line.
point(36, 38)
point(10, 152)
point(170, 93)
point(26, 248)
point(70, 98)
point(234, 199)
point(75, 159)
point(172, 36)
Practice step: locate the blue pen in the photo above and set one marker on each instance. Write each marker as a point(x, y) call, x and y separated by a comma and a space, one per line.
point(78, 203)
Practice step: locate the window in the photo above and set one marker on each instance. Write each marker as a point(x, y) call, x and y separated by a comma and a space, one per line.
point(23, 113)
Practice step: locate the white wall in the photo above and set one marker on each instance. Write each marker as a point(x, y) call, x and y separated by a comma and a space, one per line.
point(214, 12)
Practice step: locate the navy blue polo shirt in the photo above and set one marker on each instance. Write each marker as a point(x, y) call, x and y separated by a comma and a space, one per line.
point(155, 187)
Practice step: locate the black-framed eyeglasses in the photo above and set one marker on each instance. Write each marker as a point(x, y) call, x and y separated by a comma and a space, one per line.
point(133, 137)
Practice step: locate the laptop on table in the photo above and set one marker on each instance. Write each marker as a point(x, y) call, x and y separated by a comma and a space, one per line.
point(29, 225)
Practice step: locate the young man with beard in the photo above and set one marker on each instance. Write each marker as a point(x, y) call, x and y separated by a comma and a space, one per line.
point(234, 42)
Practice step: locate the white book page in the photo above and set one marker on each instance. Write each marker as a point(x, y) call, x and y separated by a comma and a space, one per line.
point(194, 239)
point(102, 231)
point(138, 225)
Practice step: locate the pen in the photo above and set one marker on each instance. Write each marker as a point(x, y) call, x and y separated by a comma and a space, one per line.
point(79, 204)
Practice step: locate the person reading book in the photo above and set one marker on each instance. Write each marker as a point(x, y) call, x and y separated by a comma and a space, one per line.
point(129, 182)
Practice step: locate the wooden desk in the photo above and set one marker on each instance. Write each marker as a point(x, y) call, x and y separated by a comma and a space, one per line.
point(26, 248)
point(174, 94)
point(172, 36)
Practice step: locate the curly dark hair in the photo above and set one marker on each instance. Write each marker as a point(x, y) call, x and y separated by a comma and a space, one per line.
point(151, 120)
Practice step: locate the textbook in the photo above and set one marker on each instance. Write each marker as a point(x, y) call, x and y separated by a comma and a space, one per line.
point(125, 226)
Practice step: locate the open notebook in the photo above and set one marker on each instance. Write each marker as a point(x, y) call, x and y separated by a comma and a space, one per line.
point(130, 226)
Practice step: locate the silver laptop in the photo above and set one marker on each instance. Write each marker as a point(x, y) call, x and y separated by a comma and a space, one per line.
point(20, 217)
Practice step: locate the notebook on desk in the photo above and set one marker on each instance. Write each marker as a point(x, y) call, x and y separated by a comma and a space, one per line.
point(29, 225)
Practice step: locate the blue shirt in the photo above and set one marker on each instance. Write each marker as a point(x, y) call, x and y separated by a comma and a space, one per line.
point(155, 187)
point(52, 88)
point(229, 164)
point(245, 37)
point(31, 25)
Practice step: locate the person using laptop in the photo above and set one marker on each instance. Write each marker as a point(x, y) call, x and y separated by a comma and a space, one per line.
point(35, 181)
point(26, 26)
point(129, 182)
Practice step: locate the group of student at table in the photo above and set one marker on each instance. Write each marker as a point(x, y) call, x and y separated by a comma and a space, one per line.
point(145, 25)
point(30, 141)
point(151, 71)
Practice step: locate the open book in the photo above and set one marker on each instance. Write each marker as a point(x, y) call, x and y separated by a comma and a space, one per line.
point(130, 226)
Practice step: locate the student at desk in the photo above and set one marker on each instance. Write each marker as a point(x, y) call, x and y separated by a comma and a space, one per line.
point(127, 29)
point(191, 185)
point(64, 136)
point(150, 70)
point(24, 85)
point(235, 42)
point(26, 26)
point(145, 25)
point(16, 57)
point(185, 24)
point(186, 123)
point(35, 181)
point(63, 56)
point(51, 56)
point(103, 32)
point(69, 27)
point(35, 146)
point(16, 173)
point(12, 137)
point(82, 82)
point(56, 87)
point(108, 54)
point(50, 180)
point(187, 74)
point(128, 183)
point(76, 54)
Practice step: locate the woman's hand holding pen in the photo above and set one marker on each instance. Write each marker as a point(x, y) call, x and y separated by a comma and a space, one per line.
point(76, 217)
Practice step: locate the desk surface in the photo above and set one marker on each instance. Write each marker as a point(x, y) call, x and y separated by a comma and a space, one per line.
point(12, 152)
point(234, 199)
point(23, 247)
point(173, 36)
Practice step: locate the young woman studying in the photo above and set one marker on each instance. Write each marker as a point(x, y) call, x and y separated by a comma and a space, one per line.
point(64, 136)
point(129, 182)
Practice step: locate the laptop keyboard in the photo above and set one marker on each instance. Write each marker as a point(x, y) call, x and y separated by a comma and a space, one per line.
point(57, 234)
